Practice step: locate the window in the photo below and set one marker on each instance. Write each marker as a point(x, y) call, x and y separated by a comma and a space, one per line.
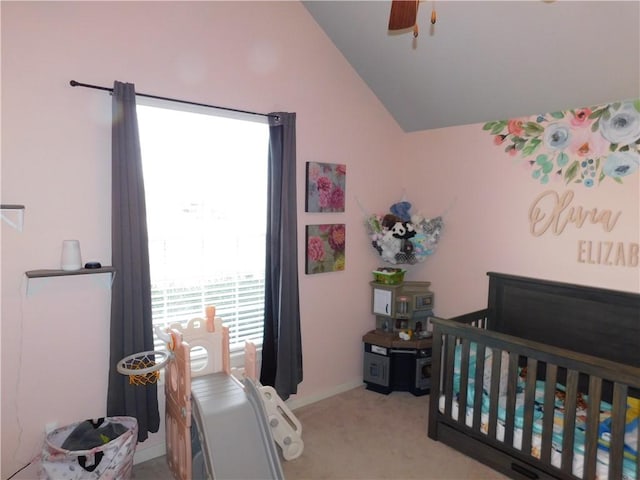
point(206, 194)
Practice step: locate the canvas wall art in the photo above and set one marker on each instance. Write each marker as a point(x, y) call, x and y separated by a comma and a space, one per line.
point(325, 187)
point(325, 248)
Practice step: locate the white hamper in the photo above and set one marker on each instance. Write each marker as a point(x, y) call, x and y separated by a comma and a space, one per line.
point(103, 450)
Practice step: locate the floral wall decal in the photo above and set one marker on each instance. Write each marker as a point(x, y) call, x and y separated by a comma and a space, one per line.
point(325, 187)
point(586, 146)
point(325, 248)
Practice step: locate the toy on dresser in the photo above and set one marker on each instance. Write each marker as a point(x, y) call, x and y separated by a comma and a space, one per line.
point(402, 308)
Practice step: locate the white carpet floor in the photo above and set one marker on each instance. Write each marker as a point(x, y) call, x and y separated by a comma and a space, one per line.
point(363, 435)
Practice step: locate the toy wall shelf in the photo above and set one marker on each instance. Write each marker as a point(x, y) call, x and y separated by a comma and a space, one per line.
point(49, 273)
point(13, 215)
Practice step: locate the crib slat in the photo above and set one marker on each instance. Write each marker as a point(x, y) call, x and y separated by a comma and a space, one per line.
point(440, 370)
point(616, 449)
point(529, 397)
point(593, 422)
point(494, 394)
point(569, 425)
point(547, 419)
point(479, 378)
point(464, 381)
point(511, 399)
point(637, 449)
point(450, 350)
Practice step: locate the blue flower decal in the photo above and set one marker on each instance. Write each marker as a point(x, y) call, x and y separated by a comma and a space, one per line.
point(622, 126)
point(621, 164)
point(557, 136)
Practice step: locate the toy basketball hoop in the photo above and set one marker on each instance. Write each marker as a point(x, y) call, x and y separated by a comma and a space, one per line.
point(143, 368)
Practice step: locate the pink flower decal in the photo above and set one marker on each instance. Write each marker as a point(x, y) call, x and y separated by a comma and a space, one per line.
point(585, 144)
point(514, 127)
point(581, 118)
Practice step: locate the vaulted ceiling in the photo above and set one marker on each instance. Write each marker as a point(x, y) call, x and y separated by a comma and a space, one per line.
point(489, 60)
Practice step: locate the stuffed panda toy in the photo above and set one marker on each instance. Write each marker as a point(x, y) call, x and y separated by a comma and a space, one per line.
point(404, 231)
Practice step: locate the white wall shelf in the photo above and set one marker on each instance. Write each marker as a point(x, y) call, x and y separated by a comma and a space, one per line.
point(13, 215)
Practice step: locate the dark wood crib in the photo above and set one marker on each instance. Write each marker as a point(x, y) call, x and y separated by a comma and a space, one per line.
point(529, 384)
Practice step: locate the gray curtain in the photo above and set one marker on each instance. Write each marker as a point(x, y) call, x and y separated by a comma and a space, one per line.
point(131, 322)
point(282, 345)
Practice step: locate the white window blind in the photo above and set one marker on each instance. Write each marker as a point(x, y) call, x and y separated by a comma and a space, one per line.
point(205, 184)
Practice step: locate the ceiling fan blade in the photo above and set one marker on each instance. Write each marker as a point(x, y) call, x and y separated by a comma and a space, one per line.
point(404, 14)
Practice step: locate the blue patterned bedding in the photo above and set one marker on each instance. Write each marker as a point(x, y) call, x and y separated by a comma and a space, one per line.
point(631, 427)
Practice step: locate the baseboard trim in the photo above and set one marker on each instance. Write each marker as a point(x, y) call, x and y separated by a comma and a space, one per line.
point(149, 453)
point(296, 403)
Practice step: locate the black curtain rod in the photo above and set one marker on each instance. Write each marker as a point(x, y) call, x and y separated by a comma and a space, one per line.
point(73, 83)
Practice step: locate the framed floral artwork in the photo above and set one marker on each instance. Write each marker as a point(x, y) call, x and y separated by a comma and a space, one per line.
point(325, 248)
point(325, 187)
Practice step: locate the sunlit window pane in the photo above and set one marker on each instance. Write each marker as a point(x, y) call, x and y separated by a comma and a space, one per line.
point(205, 184)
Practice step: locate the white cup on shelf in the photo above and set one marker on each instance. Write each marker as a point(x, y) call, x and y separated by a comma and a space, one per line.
point(71, 258)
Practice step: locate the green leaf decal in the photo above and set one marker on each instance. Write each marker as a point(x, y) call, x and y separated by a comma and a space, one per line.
point(531, 147)
point(497, 128)
point(533, 128)
point(557, 115)
point(542, 159)
point(563, 159)
point(636, 104)
point(598, 112)
point(572, 171)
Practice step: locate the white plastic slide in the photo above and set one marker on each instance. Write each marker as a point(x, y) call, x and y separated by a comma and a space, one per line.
point(218, 427)
point(234, 439)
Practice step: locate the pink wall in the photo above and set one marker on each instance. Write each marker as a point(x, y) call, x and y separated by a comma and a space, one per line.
point(260, 56)
point(486, 195)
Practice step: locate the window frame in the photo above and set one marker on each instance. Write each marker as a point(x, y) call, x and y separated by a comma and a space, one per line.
point(235, 325)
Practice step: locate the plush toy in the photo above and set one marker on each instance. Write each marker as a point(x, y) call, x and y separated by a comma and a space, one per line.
point(401, 210)
point(404, 231)
point(417, 218)
point(420, 245)
point(402, 238)
point(389, 220)
point(390, 246)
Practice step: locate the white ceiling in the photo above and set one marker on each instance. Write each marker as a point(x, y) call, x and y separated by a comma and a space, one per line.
point(487, 61)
